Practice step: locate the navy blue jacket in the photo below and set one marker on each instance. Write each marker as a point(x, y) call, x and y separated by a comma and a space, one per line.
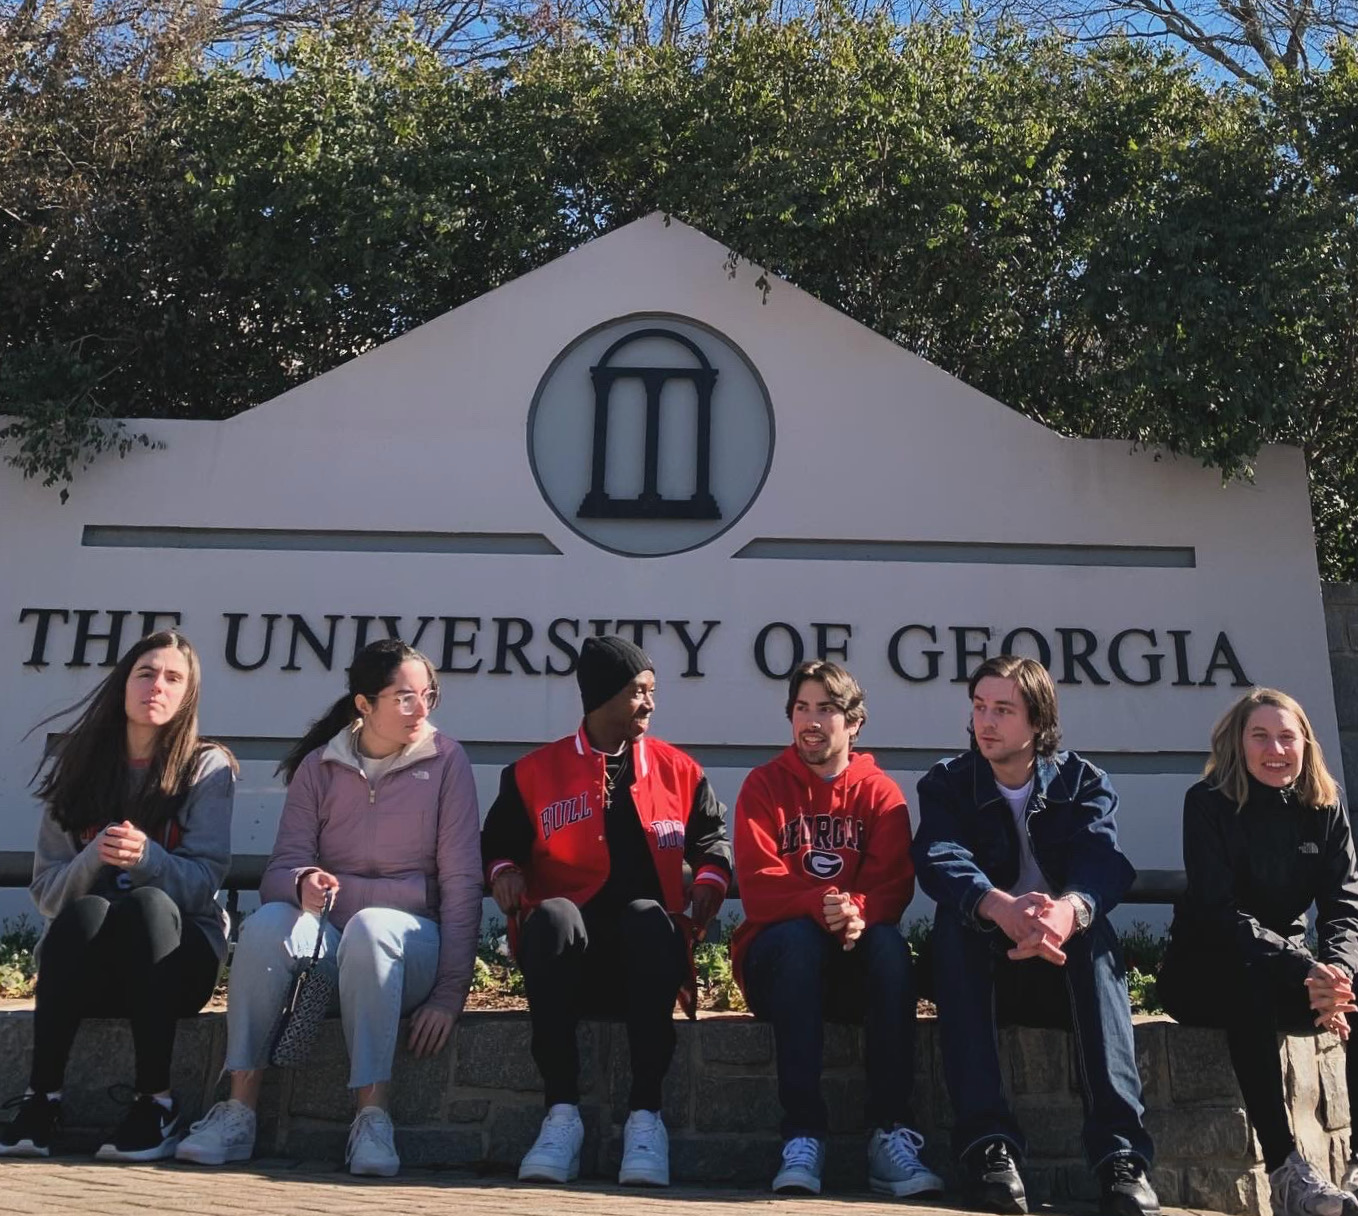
point(967, 843)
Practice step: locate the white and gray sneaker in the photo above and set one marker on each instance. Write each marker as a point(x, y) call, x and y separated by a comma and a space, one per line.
point(372, 1144)
point(894, 1167)
point(645, 1150)
point(1349, 1182)
point(803, 1164)
point(225, 1133)
point(1299, 1189)
point(555, 1155)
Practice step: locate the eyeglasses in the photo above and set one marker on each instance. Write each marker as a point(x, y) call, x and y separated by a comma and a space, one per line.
point(406, 701)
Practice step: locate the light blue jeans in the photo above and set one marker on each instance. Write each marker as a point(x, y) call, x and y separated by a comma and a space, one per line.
point(387, 962)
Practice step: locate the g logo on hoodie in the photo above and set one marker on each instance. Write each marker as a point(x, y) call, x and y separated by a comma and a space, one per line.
point(822, 865)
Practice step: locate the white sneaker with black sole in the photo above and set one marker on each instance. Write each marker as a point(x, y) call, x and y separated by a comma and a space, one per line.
point(149, 1132)
point(555, 1155)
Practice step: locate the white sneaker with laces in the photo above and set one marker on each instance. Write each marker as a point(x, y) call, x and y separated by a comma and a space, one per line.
point(555, 1155)
point(894, 1167)
point(372, 1144)
point(803, 1164)
point(225, 1133)
point(645, 1150)
point(1298, 1189)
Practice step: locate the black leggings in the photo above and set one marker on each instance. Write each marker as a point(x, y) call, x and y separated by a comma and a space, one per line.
point(137, 958)
point(631, 964)
point(1253, 1003)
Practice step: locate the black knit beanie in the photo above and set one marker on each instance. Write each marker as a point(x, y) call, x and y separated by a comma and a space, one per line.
point(607, 665)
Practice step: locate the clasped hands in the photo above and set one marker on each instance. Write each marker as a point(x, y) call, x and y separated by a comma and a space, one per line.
point(1331, 993)
point(1037, 924)
point(841, 917)
point(121, 844)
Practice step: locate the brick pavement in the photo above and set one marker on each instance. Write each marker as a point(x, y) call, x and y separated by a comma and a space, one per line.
point(70, 1185)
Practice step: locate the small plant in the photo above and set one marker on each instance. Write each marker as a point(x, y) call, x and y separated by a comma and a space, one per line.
point(494, 969)
point(18, 937)
point(716, 978)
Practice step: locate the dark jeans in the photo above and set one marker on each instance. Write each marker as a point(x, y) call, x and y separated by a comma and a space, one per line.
point(978, 989)
point(629, 965)
point(798, 976)
point(1205, 986)
point(138, 959)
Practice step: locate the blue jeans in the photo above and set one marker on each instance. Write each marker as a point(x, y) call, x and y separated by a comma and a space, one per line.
point(797, 976)
point(978, 988)
point(387, 963)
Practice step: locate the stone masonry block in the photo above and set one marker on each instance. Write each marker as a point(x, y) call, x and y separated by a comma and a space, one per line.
point(722, 1160)
point(841, 1045)
point(1053, 1128)
point(1238, 1193)
point(467, 1110)
point(1200, 1066)
point(737, 1104)
point(675, 1093)
point(492, 1053)
point(439, 1146)
point(320, 1089)
point(736, 1041)
point(1152, 1060)
point(1037, 1060)
point(1201, 1133)
point(16, 1049)
point(1333, 1110)
point(1344, 672)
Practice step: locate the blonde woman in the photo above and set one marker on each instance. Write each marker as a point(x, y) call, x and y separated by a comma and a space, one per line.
point(1265, 838)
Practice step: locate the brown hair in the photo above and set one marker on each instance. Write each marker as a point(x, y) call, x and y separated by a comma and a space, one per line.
point(87, 784)
point(1037, 690)
point(1226, 765)
point(841, 689)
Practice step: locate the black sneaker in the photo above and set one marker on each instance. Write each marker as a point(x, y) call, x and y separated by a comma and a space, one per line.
point(1124, 1189)
point(990, 1177)
point(30, 1132)
point(148, 1132)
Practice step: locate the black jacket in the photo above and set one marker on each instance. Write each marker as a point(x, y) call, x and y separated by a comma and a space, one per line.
point(1254, 871)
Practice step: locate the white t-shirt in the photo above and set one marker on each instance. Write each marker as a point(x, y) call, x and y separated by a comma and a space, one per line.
point(1029, 876)
point(374, 770)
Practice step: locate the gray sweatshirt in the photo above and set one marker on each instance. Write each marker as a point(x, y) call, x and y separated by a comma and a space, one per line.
point(64, 869)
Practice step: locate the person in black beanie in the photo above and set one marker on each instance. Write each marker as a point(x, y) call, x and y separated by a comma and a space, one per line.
point(584, 850)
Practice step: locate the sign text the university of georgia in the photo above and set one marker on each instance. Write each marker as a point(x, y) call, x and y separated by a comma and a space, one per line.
point(916, 652)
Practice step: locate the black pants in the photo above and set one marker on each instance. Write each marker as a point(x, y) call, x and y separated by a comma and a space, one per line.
point(1200, 986)
point(629, 965)
point(137, 958)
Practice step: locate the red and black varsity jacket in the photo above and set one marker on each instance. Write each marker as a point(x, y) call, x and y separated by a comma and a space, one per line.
point(548, 820)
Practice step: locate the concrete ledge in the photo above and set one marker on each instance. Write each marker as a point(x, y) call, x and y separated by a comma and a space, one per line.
point(479, 1103)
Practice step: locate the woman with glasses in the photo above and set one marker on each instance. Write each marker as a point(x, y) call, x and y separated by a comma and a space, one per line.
point(381, 815)
point(134, 841)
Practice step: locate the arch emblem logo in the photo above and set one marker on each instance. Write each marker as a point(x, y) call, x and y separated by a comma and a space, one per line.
point(650, 435)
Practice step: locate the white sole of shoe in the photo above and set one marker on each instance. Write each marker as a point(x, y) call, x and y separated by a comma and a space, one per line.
point(25, 1148)
point(382, 1169)
point(546, 1173)
point(109, 1152)
point(931, 1185)
point(643, 1177)
point(201, 1156)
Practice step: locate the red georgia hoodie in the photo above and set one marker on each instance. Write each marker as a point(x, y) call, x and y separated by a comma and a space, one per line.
point(799, 836)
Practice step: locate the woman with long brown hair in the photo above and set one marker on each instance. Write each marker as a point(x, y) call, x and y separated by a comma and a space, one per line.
point(1265, 838)
point(134, 841)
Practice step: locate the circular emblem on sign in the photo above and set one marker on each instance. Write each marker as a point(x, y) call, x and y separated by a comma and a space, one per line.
point(650, 435)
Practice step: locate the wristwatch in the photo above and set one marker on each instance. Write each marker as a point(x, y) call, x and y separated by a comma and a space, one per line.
point(1084, 914)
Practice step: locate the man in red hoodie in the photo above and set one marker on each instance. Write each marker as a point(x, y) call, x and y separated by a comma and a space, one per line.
point(823, 862)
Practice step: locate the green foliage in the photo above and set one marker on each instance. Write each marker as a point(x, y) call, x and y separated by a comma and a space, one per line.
point(494, 969)
point(1098, 237)
point(716, 978)
point(17, 971)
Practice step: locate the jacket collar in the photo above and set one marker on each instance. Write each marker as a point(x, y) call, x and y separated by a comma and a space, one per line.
point(583, 747)
point(343, 749)
point(1047, 781)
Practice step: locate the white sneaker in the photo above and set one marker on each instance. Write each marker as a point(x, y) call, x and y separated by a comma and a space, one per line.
point(1298, 1189)
point(372, 1144)
point(555, 1155)
point(645, 1150)
point(803, 1164)
point(225, 1133)
point(894, 1167)
point(1349, 1182)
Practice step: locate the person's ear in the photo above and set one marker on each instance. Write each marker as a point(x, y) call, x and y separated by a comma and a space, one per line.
point(363, 705)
